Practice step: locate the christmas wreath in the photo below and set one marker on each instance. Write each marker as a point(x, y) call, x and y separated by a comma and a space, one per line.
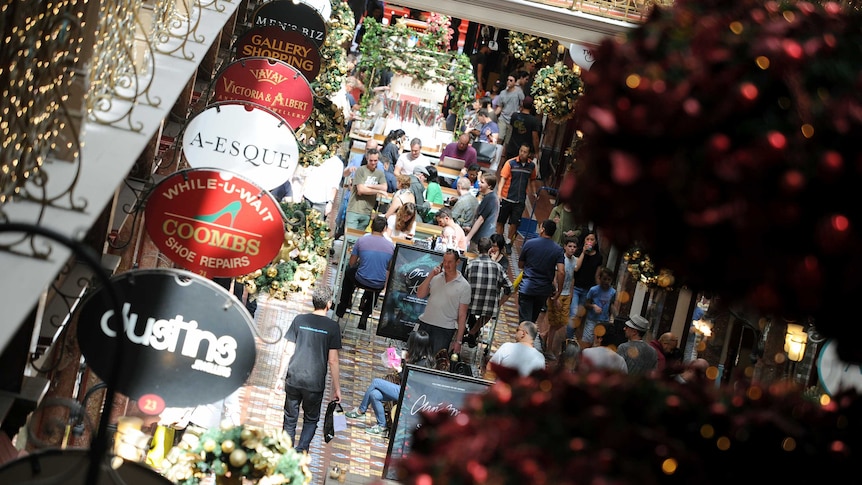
point(302, 259)
point(237, 452)
point(723, 136)
point(556, 90)
point(530, 48)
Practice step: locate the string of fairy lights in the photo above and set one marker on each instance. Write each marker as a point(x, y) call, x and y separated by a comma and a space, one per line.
point(42, 44)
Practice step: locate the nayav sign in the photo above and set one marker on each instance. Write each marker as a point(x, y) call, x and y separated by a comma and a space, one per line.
point(286, 46)
point(214, 223)
point(273, 84)
point(295, 16)
point(243, 138)
point(181, 338)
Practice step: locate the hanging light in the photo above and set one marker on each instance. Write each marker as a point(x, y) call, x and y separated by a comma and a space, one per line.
point(795, 341)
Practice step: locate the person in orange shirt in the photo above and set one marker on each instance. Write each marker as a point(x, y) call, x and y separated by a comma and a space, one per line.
point(515, 177)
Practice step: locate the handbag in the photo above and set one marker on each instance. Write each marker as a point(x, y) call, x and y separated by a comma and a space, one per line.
point(334, 421)
point(485, 151)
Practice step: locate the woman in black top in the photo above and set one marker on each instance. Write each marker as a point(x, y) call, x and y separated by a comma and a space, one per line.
point(391, 149)
point(588, 262)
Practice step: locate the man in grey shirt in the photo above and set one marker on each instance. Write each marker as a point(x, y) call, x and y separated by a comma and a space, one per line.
point(508, 102)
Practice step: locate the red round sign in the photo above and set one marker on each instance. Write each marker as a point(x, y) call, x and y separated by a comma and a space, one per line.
point(270, 83)
point(214, 223)
point(151, 404)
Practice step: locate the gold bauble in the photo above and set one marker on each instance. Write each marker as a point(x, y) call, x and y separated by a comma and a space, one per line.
point(257, 273)
point(303, 255)
point(251, 287)
point(228, 446)
point(272, 271)
point(225, 424)
point(238, 458)
point(246, 434)
point(209, 445)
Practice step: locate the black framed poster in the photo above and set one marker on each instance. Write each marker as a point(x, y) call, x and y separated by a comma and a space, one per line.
point(401, 307)
point(425, 390)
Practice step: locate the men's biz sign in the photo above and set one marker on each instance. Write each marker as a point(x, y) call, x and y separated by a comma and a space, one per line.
point(284, 45)
point(182, 340)
point(243, 138)
point(295, 16)
point(214, 223)
point(270, 83)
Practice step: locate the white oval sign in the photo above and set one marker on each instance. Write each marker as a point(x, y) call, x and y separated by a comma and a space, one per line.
point(243, 138)
point(835, 374)
point(582, 55)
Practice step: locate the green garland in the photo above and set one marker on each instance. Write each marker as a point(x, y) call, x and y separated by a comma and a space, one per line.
point(333, 66)
point(302, 259)
point(237, 451)
point(530, 48)
point(390, 47)
point(556, 90)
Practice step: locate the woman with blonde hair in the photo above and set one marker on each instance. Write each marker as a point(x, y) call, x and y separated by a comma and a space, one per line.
point(401, 196)
point(403, 223)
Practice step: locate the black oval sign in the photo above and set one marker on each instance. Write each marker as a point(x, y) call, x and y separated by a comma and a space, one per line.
point(298, 17)
point(186, 339)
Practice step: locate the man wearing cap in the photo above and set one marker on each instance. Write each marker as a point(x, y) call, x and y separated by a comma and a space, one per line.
point(640, 357)
point(417, 186)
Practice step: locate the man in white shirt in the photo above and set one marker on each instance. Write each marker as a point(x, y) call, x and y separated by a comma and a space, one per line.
point(321, 183)
point(412, 159)
point(520, 354)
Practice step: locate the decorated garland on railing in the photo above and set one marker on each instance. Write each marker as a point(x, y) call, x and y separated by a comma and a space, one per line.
point(333, 59)
point(556, 90)
point(530, 48)
point(302, 259)
point(237, 452)
point(322, 134)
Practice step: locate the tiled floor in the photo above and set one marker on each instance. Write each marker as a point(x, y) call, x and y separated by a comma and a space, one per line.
point(360, 455)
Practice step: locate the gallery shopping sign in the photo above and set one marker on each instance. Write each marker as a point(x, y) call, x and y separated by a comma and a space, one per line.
point(292, 16)
point(243, 138)
point(273, 84)
point(181, 340)
point(286, 46)
point(214, 223)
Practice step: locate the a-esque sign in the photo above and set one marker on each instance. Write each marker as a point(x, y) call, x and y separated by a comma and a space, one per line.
point(214, 223)
point(273, 84)
point(295, 16)
point(284, 45)
point(181, 338)
point(243, 138)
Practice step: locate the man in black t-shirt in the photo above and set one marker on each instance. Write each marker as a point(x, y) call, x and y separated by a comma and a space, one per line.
point(313, 341)
point(526, 128)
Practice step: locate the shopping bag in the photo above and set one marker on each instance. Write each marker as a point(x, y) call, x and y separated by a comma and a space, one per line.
point(390, 358)
point(334, 421)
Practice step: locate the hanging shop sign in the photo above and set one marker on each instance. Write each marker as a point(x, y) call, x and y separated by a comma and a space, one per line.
point(243, 138)
point(836, 375)
point(294, 16)
point(182, 340)
point(287, 46)
point(214, 223)
point(582, 55)
point(273, 84)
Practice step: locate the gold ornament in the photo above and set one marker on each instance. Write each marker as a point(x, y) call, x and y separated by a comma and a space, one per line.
point(238, 458)
point(228, 446)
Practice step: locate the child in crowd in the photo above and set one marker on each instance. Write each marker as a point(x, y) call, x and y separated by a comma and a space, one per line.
point(600, 304)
